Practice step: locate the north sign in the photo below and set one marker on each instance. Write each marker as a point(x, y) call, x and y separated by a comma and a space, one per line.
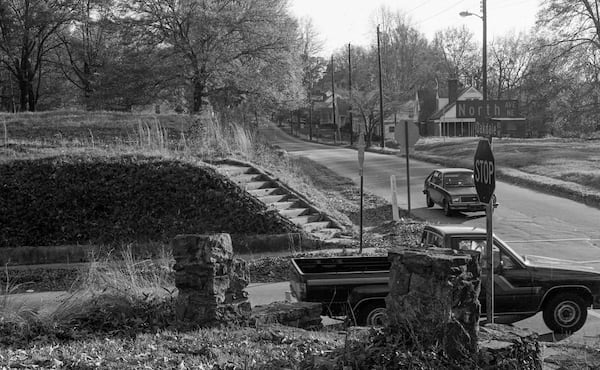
point(493, 108)
point(484, 171)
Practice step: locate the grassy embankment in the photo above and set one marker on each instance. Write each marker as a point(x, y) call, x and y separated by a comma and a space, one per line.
point(111, 321)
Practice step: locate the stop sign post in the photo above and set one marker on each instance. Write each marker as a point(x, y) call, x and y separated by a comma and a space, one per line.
point(484, 176)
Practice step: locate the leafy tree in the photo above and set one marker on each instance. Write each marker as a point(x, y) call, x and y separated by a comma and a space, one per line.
point(226, 45)
point(28, 31)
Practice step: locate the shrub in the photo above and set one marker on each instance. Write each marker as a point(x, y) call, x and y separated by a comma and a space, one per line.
point(122, 199)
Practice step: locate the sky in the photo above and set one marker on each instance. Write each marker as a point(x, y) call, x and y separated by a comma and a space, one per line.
point(340, 22)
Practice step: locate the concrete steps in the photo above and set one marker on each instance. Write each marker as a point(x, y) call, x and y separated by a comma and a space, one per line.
point(273, 194)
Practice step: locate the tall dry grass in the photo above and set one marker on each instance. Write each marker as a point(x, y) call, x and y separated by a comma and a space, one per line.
point(151, 135)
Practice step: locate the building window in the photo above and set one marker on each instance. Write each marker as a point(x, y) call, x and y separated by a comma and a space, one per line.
point(391, 129)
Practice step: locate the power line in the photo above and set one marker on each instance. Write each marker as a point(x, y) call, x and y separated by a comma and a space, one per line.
point(418, 6)
point(512, 4)
point(442, 12)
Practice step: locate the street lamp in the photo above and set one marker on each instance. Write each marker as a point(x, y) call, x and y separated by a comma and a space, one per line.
point(489, 301)
point(483, 17)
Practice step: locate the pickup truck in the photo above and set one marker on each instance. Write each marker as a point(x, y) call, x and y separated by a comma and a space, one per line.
point(356, 286)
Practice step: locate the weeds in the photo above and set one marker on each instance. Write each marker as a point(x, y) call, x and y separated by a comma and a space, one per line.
point(5, 133)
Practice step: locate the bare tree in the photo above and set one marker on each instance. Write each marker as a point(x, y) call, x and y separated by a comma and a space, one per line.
point(509, 60)
point(460, 54)
point(28, 31)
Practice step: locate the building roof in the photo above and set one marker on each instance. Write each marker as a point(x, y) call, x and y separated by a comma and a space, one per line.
point(443, 110)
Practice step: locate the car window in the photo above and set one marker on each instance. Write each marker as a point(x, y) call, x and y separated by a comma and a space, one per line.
point(478, 245)
point(458, 179)
point(436, 178)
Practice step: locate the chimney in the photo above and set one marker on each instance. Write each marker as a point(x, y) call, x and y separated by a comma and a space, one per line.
point(452, 90)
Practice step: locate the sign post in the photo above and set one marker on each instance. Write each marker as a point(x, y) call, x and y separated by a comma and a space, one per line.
point(407, 136)
point(484, 176)
point(361, 160)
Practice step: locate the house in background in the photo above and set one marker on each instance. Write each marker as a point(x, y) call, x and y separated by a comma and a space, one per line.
point(444, 121)
point(323, 109)
point(401, 112)
point(450, 118)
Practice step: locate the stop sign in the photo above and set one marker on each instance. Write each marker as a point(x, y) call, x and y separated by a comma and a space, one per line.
point(484, 171)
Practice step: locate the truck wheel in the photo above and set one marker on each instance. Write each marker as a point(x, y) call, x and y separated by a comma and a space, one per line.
point(565, 313)
point(447, 210)
point(372, 314)
point(428, 200)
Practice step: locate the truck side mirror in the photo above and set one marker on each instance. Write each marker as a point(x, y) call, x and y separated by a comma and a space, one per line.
point(499, 267)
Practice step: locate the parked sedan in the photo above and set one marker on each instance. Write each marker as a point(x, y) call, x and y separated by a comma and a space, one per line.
point(454, 190)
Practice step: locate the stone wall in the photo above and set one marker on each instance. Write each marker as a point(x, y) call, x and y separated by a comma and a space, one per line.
point(210, 281)
point(433, 299)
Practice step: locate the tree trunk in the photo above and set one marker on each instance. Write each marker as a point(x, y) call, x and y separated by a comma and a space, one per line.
point(31, 96)
point(22, 95)
point(199, 93)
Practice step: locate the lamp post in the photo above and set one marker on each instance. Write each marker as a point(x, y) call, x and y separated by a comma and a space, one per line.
point(483, 17)
point(490, 209)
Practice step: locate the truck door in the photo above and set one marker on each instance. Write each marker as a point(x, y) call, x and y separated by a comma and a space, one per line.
point(513, 292)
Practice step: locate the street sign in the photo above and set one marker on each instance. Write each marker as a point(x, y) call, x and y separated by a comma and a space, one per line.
point(400, 131)
point(493, 108)
point(484, 171)
point(488, 128)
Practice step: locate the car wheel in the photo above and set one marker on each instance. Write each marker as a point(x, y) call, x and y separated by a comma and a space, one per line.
point(447, 210)
point(373, 314)
point(565, 313)
point(429, 201)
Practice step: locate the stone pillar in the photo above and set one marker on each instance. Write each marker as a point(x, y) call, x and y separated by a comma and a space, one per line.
point(210, 281)
point(433, 299)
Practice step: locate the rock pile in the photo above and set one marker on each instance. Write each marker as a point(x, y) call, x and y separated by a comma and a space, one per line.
point(508, 347)
point(305, 315)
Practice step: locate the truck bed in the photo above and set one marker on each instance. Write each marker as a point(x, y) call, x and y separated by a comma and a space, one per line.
point(330, 280)
point(340, 265)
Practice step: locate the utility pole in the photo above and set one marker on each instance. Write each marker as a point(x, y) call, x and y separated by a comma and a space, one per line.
point(484, 72)
point(350, 88)
point(333, 97)
point(310, 114)
point(381, 118)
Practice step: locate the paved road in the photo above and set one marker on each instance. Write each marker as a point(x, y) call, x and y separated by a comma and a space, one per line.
point(533, 223)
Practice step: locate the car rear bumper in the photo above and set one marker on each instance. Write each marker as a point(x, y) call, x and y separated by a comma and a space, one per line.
point(467, 207)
